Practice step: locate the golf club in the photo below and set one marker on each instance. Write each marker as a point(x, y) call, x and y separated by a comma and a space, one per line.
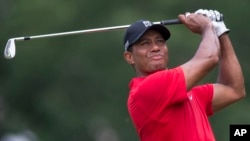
point(10, 49)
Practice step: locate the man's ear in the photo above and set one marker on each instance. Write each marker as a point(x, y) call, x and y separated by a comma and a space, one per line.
point(128, 57)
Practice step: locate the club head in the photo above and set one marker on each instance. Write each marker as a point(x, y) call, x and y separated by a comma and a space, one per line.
point(10, 49)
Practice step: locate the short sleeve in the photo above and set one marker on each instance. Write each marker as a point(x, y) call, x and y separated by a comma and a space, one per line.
point(204, 94)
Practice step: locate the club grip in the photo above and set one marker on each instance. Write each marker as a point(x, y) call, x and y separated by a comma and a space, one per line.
point(170, 22)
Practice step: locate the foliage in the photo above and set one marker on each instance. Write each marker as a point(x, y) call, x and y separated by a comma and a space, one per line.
point(75, 87)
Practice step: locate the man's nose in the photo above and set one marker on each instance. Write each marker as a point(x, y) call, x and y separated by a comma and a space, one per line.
point(155, 47)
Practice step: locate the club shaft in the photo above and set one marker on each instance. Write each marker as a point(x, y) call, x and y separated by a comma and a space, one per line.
point(165, 22)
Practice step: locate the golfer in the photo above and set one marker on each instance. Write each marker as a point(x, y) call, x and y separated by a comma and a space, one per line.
point(168, 104)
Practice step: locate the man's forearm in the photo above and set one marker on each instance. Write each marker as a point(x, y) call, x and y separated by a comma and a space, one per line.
point(204, 60)
point(230, 72)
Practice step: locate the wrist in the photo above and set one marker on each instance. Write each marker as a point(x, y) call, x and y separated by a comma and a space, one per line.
point(221, 29)
point(209, 28)
point(223, 33)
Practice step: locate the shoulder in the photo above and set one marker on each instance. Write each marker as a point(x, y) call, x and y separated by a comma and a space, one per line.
point(166, 75)
point(135, 81)
point(204, 93)
point(203, 88)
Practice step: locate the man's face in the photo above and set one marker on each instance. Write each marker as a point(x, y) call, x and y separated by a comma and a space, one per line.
point(149, 54)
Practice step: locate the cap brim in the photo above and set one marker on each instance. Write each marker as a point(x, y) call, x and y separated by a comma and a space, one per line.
point(162, 29)
point(158, 27)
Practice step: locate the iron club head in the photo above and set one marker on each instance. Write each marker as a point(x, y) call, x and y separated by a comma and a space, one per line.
point(10, 49)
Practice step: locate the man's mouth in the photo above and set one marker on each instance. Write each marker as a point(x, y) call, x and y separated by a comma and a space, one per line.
point(156, 57)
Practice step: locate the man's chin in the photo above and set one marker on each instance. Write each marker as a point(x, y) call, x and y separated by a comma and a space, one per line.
point(159, 67)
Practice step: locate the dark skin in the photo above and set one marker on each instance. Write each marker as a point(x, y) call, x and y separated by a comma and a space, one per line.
point(150, 54)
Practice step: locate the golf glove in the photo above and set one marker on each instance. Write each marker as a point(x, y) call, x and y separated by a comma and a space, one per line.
point(217, 20)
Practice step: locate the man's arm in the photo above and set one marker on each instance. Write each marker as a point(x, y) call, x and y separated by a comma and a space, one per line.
point(207, 54)
point(230, 84)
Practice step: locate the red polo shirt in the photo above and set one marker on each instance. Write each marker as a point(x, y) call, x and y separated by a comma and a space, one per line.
point(162, 110)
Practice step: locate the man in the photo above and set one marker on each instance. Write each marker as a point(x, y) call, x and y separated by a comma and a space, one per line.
point(167, 104)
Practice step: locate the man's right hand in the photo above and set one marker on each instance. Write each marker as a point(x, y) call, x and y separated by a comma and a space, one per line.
point(197, 23)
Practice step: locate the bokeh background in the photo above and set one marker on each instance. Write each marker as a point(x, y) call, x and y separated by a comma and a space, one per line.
point(75, 88)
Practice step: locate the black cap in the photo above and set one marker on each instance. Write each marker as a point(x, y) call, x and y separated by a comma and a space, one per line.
point(137, 29)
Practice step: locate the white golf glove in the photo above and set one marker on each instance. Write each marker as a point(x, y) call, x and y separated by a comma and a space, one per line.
point(217, 20)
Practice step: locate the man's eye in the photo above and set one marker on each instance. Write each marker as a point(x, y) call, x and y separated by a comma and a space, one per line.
point(144, 43)
point(161, 41)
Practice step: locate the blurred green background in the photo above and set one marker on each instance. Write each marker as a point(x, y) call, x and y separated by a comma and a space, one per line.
point(75, 88)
